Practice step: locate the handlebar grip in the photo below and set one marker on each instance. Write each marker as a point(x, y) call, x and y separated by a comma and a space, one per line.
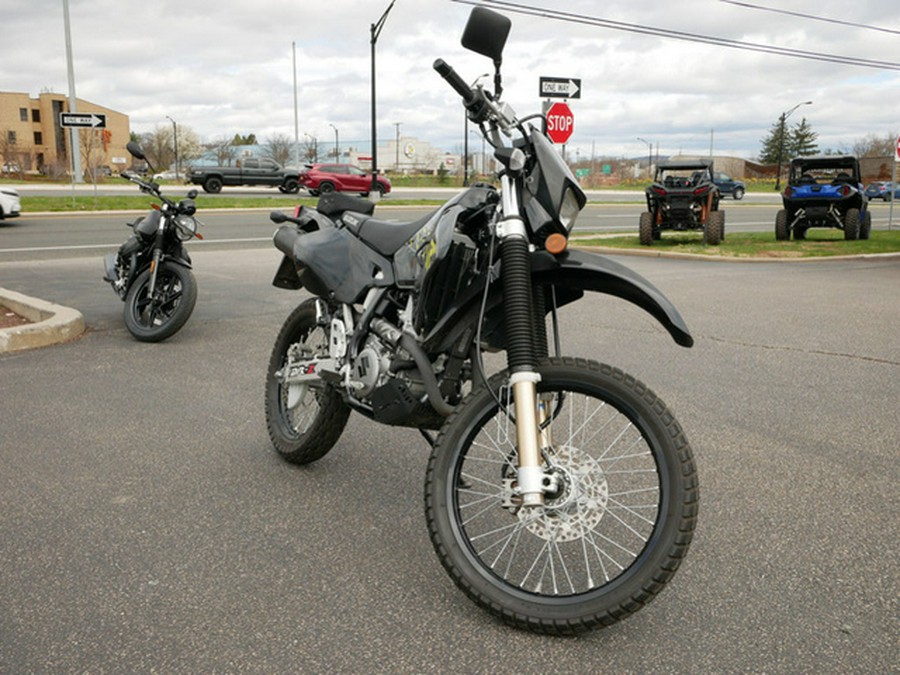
point(446, 71)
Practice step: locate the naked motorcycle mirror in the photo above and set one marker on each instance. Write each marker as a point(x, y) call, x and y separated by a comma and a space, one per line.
point(485, 34)
point(135, 150)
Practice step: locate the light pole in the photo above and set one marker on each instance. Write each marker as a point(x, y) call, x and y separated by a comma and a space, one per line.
point(175, 137)
point(375, 31)
point(397, 147)
point(74, 142)
point(337, 144)
point(784, 116)
point(649, 155)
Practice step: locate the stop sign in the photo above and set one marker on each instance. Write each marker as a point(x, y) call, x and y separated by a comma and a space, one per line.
point(560, 122)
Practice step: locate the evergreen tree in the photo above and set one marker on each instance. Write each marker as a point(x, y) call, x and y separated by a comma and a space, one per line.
point(771, 144)
point(802, 140)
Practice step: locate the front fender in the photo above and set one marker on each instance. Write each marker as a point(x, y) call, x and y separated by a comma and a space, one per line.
point(576, 271)
point(570, 275)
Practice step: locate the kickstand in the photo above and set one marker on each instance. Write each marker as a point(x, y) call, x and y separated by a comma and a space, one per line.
point(428, 437)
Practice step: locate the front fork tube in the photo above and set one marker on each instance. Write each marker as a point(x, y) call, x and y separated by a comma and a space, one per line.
point(521, 352)
point(154, 267)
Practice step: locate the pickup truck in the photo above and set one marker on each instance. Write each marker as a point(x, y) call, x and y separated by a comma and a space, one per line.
point(250, 171)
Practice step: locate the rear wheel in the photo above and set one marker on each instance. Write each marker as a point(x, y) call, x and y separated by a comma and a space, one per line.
point(212, 185)
point(851, 225)
point(615, 525)
point(714, 229)
point(645, 228)
point(152, 317)
point(291, 186)
point(305, 419)
point(781, 229)
point(866, 229)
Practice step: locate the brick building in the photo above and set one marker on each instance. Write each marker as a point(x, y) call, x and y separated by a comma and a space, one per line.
point(32, 139)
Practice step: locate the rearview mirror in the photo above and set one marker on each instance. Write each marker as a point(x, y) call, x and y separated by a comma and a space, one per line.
point(486, 33)
point(277, 217)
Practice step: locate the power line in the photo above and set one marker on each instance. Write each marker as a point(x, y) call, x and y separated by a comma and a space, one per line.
point(810, 16)
point(681, 35)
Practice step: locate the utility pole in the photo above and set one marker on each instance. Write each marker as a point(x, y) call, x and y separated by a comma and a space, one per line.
point(296, 115)
point(397, 147)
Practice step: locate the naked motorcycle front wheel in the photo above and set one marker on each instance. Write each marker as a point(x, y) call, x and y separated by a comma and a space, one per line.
point(304, 419)
point(153, 317)
point(615, 525)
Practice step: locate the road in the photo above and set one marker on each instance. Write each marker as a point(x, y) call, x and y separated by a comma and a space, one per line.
point(147, 525)
point(48, 236)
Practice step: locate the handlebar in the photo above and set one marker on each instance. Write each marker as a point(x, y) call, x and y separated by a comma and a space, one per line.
point(446, 71)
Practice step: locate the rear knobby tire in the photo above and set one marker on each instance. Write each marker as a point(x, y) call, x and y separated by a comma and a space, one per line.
point(851, 225)
point(645, 228)
point(153, 319)
point(714, 230)
point(608, 540)
point(781, 226)
point(307, 431)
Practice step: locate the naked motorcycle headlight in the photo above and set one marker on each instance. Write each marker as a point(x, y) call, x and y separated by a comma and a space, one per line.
point(185, 227)
point(553, 198)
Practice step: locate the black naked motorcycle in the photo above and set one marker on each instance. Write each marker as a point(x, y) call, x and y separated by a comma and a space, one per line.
point(561, 493)
point(151, 271)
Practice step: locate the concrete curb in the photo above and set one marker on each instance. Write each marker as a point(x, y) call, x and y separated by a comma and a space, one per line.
point(52, 323)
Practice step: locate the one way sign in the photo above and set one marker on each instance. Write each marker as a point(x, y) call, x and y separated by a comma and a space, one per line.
point(560, 87)
point(87, 120)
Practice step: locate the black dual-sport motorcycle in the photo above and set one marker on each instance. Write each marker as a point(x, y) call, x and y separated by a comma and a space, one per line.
point(561, 493)
point(152, 271)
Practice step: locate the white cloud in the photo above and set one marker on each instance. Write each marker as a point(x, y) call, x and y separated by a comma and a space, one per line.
point(226, 68)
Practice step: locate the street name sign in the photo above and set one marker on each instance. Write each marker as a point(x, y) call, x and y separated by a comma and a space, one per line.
point(560, 87)
point(83, 120)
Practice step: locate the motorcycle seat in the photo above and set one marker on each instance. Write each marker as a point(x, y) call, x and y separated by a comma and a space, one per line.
point(384, 236)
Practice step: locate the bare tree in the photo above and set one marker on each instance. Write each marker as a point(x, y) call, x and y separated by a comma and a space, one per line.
point(875, 146)
point(224, 150)
point(160, 149)
point(279, 148)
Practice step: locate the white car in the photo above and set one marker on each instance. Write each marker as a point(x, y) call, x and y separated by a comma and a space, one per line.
point(10, 206)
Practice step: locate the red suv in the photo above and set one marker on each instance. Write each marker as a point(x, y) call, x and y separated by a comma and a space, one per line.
point(322, 178)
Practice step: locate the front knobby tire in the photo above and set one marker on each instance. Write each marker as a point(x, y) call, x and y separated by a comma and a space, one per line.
point(610, 536)
point(304, 424)
point(153, 318)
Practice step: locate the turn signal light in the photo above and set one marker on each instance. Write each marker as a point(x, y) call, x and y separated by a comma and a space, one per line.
point(556, 243)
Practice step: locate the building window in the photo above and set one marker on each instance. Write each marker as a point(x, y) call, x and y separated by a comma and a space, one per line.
point(38, 138)
point(11, 137)
point(36, 116)
point(23, 114)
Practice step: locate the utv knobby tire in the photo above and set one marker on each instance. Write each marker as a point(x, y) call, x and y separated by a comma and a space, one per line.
point(176, 295)
point(851, 225)
point(714, 229)
point(645, 228)
point(484, 543)
point(781, 226)
point(866, 229)
point(321, 432)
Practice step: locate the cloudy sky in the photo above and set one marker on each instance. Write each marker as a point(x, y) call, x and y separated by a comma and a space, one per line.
point(225, 67)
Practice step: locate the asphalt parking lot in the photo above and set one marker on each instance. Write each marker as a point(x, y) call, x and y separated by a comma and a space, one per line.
point(146, 524)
